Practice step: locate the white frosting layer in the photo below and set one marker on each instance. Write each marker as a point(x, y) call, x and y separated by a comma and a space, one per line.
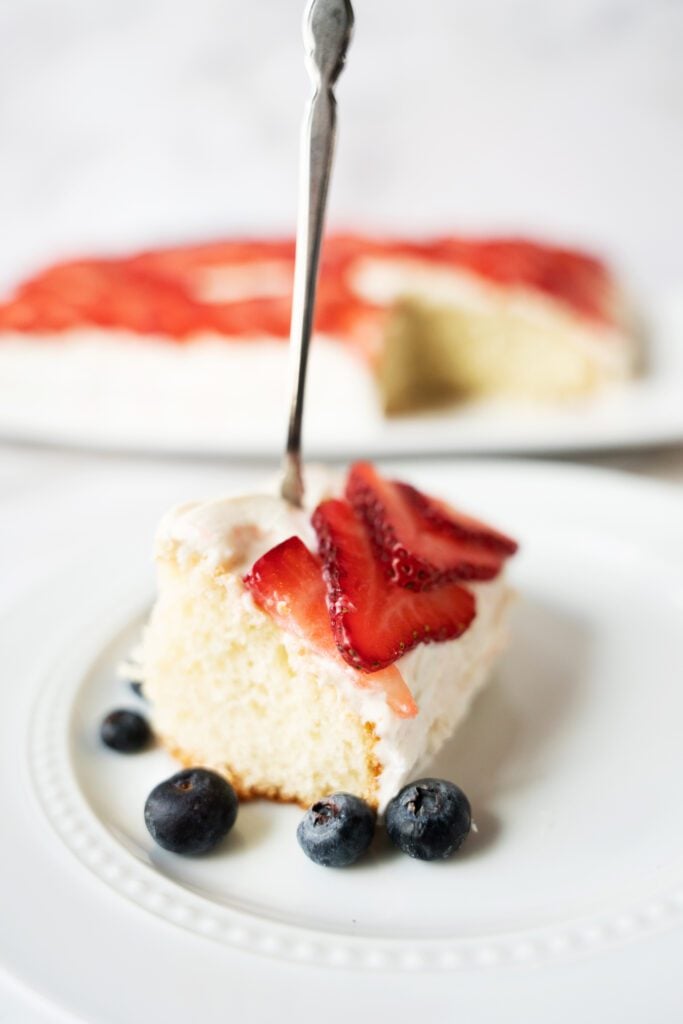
point(229, 534)
point(120, 389)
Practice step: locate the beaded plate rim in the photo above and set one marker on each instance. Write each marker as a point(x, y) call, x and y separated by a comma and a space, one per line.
point(70, 815)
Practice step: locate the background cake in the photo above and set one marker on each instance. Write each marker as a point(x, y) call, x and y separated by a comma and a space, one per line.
point(430, 322)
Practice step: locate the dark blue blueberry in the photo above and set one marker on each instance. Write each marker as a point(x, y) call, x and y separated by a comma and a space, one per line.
point(337, 830)
point(136, 687)
point(429, 819)
point(125, 731)
point(191, 812)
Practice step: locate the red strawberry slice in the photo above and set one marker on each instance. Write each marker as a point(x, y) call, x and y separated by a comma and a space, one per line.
point(287, 583)
point(423, 542)
point(374, 621)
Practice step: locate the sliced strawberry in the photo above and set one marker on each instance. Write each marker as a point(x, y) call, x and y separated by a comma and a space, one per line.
point(374, 621)
point(446, 519)
point(423, 542)
point(287, 583)
point(397, 692)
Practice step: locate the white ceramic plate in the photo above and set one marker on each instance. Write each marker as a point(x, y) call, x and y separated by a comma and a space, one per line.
point(216, 399)
point(569, 899)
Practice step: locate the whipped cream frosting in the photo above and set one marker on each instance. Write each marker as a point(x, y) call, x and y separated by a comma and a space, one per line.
point(231, 533)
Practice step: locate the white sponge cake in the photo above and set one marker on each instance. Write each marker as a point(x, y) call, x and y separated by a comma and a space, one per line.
point(249, 671)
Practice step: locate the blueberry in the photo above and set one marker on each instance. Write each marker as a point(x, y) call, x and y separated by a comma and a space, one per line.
point(191, 812)
point(136, 687)
point(125, 731)
point(429, 819)
point(337, 830)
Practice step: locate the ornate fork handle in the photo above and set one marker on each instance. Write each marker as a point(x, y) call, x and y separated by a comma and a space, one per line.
point(327, 32)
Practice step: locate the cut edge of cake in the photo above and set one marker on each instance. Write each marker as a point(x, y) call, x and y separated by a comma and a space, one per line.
point(450, 337)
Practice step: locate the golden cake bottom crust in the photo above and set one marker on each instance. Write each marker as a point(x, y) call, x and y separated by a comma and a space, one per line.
point(275, 793)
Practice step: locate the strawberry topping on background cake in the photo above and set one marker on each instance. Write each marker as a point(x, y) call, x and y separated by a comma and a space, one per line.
point(242, 289)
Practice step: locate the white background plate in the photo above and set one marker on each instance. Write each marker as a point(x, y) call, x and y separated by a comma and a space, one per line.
point(570, 900)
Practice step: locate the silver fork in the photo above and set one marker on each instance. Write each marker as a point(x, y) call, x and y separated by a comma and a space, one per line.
point(328, 25)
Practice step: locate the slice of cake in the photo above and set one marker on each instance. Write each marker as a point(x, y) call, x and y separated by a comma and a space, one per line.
point(427, 322)
point(472, 319)
point(300, 655)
